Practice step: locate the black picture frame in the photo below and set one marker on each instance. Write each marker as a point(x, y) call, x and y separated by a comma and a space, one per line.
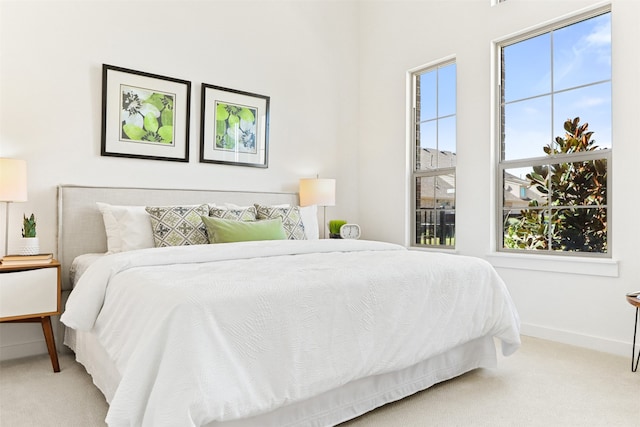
point(234, 127)
point(144, 115)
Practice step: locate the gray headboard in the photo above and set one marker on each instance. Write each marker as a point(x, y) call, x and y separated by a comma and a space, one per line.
point(80, 224)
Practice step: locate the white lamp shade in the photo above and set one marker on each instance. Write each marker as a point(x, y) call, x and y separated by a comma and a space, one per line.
point(13, 180)
point(317, 191)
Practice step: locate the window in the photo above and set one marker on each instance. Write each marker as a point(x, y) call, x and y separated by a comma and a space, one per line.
point(555, 135)
point(434, 164)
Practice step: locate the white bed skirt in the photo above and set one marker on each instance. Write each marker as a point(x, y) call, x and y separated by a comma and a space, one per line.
point(330, 408)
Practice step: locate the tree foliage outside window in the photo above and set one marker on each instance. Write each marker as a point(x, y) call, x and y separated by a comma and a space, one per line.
point(572, 216)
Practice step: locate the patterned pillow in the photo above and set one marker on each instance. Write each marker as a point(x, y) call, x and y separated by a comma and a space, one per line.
point(237, 214)
point(178, 225)
point(291, 219)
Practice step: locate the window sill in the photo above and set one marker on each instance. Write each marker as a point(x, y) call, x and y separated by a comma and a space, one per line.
point(548, 263)
point(449, 250)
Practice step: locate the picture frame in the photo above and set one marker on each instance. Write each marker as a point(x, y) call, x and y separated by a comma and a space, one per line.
point(144, 115)
point(234, 127)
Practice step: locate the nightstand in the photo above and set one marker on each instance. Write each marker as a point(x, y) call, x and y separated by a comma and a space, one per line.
point(633, 298)
point(31, 293)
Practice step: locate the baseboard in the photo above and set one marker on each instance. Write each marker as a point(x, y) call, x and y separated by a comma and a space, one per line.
point(604, 345)
point(23, 349)
point(28, 339)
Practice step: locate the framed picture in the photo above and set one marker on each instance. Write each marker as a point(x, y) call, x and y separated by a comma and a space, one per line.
point(234, 127)
point(144, 116)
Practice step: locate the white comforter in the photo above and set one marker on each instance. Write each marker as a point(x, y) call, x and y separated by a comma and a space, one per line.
point(220, 332)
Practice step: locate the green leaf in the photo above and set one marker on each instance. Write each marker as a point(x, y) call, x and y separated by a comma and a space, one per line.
point(233, 120)
point(133, 132)
point(166, 133)
point(537, 177)
point(246, 115)
point(229, 143)
point(221, 127)
point(151, 122)
point(156, 100)
point(221, 112)
point(167, 117)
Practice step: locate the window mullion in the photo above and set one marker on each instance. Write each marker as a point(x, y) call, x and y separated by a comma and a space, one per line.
point(558, 158)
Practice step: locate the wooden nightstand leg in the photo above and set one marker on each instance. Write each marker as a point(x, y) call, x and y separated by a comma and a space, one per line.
point(51, 344)
point(634, 368)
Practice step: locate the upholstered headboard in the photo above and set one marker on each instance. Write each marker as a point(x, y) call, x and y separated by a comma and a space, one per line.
point(81, 228)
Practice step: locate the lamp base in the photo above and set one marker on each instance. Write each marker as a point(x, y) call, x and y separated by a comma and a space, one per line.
point(6, 229)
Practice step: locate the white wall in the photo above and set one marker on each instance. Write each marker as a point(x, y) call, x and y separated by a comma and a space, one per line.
point(51, 55)
point(582, 309)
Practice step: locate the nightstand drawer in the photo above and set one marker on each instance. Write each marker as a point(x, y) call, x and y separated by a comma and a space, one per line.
point(29, 292)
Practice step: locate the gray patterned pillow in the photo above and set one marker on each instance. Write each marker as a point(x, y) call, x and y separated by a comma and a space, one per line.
point(237, 214)
point(291, 220)
point(178, 225)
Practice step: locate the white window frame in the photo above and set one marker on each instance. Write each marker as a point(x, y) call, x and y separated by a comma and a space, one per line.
point(550, 261)
point(413, 123)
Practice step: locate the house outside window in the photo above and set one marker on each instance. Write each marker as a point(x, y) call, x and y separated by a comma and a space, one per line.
point(434, 160)
point(555, 139)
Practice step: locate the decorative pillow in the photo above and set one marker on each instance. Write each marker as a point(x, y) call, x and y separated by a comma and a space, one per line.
point(178, 225)
point(229, 230)
point(247, 213)
point(309, 215)
point(291, 219)
point(127, 227)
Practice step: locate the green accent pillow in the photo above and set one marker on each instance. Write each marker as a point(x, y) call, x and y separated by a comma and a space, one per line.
point(227, 230)
point(291, 219)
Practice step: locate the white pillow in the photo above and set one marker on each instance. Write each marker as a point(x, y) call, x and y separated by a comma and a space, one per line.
point(234, 206)
point(309, 215)
point(127, 227)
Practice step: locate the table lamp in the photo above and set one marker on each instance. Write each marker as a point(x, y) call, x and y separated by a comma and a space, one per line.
point(318, 191)
point(13, 188)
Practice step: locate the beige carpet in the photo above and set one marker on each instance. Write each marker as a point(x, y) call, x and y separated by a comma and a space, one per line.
point(543, 384)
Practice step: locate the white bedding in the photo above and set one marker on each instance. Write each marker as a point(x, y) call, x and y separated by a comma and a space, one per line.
point(222, 332)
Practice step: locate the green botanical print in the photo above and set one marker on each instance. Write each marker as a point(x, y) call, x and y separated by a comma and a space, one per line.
point(235, 128)
point(147, 116)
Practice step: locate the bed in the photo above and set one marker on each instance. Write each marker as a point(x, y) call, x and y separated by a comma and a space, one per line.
point(291, 332)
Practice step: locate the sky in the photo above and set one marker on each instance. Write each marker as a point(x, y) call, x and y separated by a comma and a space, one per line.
point(438, 101)
point(562, 62)
point(548, 79)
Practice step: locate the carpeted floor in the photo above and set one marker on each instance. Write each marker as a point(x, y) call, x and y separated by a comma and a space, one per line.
point(543, 384)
